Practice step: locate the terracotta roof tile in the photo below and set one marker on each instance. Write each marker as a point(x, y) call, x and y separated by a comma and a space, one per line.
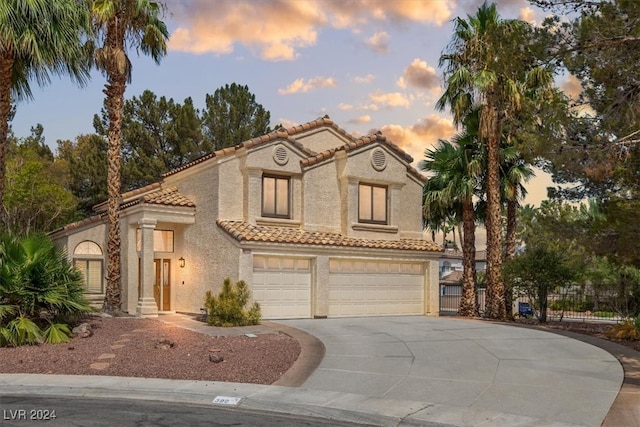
point(74, 225)
point(243, 231)
point(167, 197)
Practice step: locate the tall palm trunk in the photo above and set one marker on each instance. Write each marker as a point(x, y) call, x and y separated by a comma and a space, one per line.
point(6, 66)
point(468, 306)
point(114, 91)
point(495, 305)
point(510, 250)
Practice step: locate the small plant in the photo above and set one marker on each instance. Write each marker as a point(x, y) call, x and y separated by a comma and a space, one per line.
point(628, 330)
point(228, 307)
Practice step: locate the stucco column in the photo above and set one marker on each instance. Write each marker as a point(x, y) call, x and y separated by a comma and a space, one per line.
point(321, 287)
point(432, 290)
point(147, 306)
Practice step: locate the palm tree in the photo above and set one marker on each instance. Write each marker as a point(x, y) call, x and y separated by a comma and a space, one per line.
point(515, 172)
point(38, 38)
point(489, 67)
point(456, 168)
point(121, 24)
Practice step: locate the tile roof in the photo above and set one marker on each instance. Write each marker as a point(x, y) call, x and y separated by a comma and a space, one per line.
point(166, 196)
point(243, 231)
point(454, 276)
point(78, 224)
point(312, 157)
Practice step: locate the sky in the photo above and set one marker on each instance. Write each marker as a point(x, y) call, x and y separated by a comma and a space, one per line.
point(368, 64)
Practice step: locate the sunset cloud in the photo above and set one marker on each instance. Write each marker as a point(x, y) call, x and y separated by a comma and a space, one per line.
point(275, 30)
point(360, 120)
point(424, 134)
point(379, 42)
point(364, 79)
point(390, 100)
point(302, 86)
point(420, 75)
point(345, 107)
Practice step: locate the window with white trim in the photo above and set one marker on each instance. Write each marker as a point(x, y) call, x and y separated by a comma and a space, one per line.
point(88, 259)
point(372, 204)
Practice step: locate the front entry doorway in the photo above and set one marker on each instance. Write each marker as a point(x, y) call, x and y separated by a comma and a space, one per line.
point(162, 284)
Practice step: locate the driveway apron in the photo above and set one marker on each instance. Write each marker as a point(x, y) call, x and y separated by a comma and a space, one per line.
point(466, 366)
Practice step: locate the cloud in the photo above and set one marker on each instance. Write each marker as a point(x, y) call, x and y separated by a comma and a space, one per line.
point(379, 42)
point(424, 134)
point(571, 86)
point(302, 86)
point(390, 100)
point(360, 120)
point(528, 15)
point(345, 107)
point(276, 30)
point(419, 74)
point(364, 79)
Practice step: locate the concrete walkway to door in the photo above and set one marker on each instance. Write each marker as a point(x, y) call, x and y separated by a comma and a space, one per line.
point(470, 372)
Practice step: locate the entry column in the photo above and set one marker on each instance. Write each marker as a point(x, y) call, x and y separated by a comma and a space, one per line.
point(147, 306)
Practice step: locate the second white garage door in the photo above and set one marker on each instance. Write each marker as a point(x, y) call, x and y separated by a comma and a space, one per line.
point(375, 288)
point(282, 286)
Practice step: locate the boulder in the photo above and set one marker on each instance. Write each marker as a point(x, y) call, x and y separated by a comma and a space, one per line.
point(165, 344)
point(83, 330)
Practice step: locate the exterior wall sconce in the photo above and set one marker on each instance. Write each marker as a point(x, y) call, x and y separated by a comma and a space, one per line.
point(181, 262)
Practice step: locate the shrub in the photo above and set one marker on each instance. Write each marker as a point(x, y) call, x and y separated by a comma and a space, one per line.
point(628, 330)
point(228, 307)
point(40, 291)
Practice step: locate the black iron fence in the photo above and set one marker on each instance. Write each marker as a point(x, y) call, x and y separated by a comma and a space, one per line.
point(567, 304)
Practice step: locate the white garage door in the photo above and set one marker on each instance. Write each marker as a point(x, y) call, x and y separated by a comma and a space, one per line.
point(282, 286)
point(375, 288)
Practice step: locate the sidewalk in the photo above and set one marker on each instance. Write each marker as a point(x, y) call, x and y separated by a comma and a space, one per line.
point(353, 350)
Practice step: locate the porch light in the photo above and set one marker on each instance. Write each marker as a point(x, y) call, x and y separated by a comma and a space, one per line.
point(181, 262)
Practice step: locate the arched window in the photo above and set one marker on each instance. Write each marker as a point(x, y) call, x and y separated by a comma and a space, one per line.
point(87, 248)
point(88, 258)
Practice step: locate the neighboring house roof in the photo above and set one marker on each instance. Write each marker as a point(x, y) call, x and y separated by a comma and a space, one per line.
point(312, 157)
point(243, 231)
point(453, 277)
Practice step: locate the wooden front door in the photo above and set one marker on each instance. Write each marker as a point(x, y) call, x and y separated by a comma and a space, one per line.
point(162, 284)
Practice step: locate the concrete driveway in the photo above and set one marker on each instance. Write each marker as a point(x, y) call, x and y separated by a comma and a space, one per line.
point(472, 371)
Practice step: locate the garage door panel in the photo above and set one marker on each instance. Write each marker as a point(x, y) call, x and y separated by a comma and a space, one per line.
point(282, 286)
point(367, 288)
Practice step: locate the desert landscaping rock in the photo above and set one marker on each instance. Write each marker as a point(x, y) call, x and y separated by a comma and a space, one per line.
point(82, 331)
point(165, 344)
point(215, 358)
point(99, 366)
point(106, 356)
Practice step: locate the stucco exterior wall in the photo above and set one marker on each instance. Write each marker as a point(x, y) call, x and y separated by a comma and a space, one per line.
point(322, 199)
point(409, 217)
point(319, 140)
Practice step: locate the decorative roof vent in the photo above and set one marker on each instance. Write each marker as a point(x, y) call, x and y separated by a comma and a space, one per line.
point(280, 155)
point(378, 159)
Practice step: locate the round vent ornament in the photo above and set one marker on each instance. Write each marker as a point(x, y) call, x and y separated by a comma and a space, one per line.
point(280, 155)
point(378, 159)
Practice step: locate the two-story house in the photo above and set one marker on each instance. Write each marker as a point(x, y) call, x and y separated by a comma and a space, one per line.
point(316, 221)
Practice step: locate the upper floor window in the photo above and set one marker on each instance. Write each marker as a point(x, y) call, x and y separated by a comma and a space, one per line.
point(276, 199)
point(372, 203)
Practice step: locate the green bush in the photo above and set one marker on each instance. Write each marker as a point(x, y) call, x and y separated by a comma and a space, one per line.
point(228, 307)
point(561, 305)
point(41, 293)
